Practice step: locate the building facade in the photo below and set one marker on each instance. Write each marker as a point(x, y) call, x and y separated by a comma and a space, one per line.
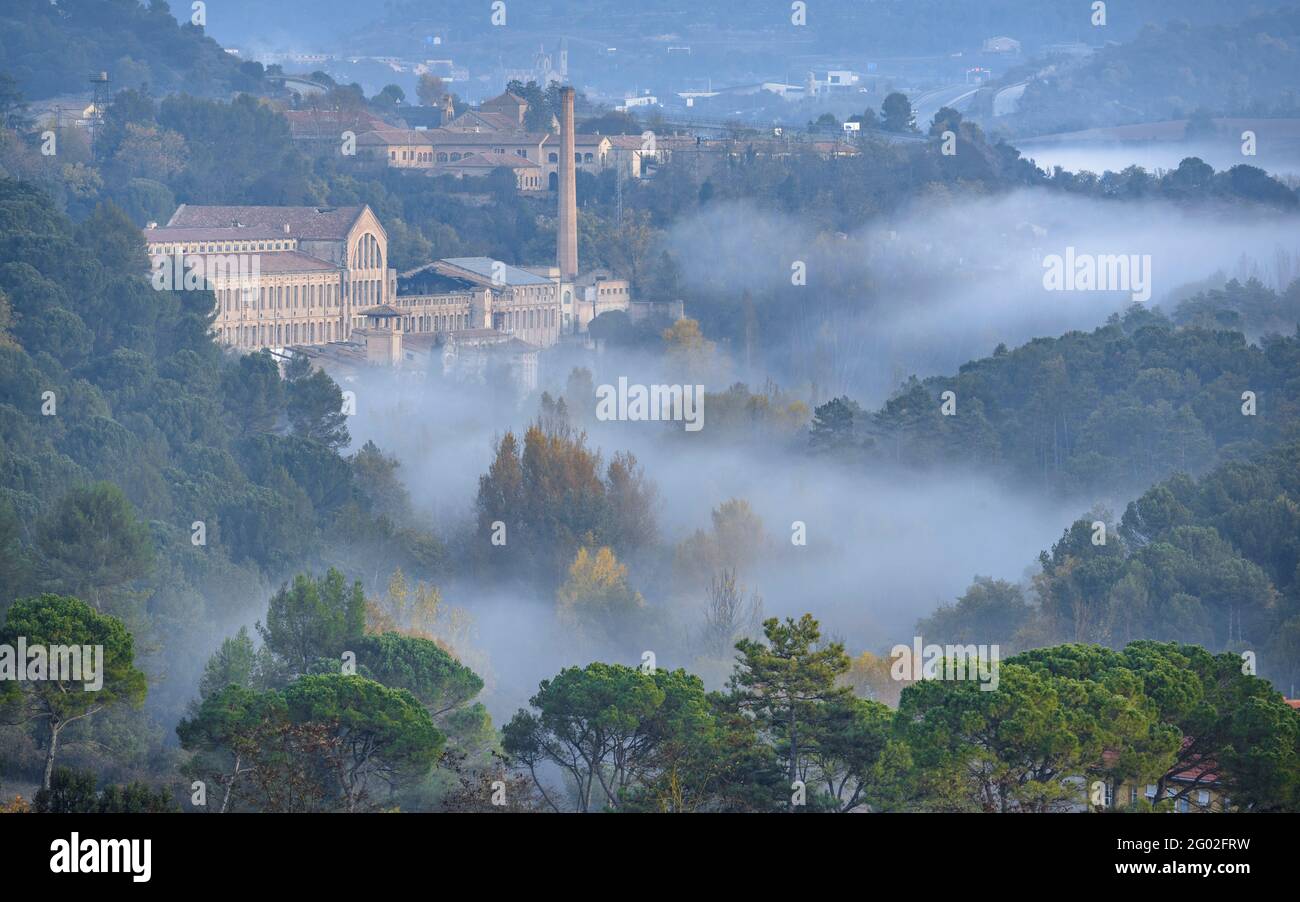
point(476, 293)
point(281, 275)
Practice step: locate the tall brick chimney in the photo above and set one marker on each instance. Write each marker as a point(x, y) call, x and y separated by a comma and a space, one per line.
point(567, 231)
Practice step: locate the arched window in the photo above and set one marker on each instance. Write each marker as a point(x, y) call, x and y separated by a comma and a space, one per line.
point(587, 158)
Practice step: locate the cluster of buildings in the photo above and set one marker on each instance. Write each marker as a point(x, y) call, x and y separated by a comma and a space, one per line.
point(477, 142)
point(318, 281)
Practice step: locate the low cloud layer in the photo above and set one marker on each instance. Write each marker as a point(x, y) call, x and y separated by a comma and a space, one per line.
point(945, 282)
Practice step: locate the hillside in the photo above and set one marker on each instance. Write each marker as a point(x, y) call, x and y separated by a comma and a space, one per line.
point(1168, 72)
point(51, 48)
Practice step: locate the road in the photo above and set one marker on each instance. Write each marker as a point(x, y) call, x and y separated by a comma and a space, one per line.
point(958, 97)
point(926, 105)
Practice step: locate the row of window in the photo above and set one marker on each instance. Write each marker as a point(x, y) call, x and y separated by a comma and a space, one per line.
point(577, 158)
point(530, 319)
point(447, 322)
point(434, 299)
point(278, 297)
point(521, 319)
point(228, 247)
point(277, 335)
point(454, 156)
point(367, 293)
point(1182, 805)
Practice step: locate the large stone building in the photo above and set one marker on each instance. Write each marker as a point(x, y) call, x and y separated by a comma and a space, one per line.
point(281, 275)
point(287, 276)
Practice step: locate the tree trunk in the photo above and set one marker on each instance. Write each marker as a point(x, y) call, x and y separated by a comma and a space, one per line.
point(49, 754)
point(230, 785)
point(794, 749)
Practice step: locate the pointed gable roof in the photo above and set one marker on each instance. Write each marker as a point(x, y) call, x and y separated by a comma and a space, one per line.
point(504, 101)
point(484, 120)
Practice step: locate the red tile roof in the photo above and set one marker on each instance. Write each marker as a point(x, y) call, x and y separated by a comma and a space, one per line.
point(1204, 769)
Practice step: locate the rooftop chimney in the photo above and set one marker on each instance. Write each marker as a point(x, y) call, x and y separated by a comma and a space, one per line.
point(567, 230)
